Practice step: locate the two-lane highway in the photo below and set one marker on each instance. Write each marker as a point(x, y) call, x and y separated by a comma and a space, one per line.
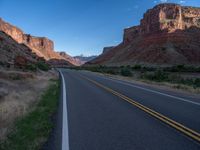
point(107, 114)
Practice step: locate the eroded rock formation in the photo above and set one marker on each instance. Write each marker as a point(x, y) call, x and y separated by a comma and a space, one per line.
point(167, 34)
point(13, 54)
point(42, 46)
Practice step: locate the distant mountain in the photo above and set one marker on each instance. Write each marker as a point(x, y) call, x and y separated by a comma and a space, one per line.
point(168, 34)
point(72, 60)
point(84, 59)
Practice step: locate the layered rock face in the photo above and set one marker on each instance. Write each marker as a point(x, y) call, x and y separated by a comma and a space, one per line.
point(14, 32)
point(165, 18)
point(12, 53)
point(167, 34)
point(42, 46)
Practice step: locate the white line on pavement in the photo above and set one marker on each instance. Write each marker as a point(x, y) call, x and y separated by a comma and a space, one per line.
point(65, 134)
point(160, 93)
point(152, 91)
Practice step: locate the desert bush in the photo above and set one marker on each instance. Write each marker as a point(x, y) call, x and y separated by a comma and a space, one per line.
point(111, 71)
point(102, 69)
point(174, 78)
point(182, 68)
point(137, 67)
point(126, 72)
point(42, 66)
point(197, 82)
point(15, 77)
point(1, 63)
point(158, 75)
point(31, 67)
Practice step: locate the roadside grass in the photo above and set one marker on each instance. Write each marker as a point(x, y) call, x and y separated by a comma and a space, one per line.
point(33, 130)
point(173, 75)
point(161, 76)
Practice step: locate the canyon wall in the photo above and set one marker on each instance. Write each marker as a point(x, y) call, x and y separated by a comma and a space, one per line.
point(166, 18)
point(167, 34)
point(106, 49)
point(42, 46)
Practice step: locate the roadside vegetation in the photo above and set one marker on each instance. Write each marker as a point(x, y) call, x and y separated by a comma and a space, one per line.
point(180, 74)
point(37, 66)
point(32, 130)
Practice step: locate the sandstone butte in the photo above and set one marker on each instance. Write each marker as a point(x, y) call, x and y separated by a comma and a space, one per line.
point(168, 34)
point(41, 46)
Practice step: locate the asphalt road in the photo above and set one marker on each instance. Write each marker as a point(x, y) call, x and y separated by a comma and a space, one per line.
point(99, 119)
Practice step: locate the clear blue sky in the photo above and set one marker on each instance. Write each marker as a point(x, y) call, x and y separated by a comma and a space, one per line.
point(79, 26)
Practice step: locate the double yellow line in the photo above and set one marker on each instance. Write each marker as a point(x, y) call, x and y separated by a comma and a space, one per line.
point(187, 131)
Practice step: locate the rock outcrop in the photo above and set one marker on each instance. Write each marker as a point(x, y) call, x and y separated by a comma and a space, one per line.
point(106, 49)
point(167, 34)
point(13, 54)
point(41, 46)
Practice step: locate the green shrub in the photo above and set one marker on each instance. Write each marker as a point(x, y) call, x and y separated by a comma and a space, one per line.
point(182, 68)
point(158, 75)
point(137, 67)
point(43, 66)
point(111, 71)
point(15, 77)
point(126, 72)
point(198, 69)
point(31, 67)
point(1, 63)
point(197, 82)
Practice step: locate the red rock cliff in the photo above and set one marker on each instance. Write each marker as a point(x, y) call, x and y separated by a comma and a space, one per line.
point(167, 34)
point(42, 46)
point(165, 18)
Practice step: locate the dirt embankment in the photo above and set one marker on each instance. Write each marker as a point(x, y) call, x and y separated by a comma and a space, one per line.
point(19, 92)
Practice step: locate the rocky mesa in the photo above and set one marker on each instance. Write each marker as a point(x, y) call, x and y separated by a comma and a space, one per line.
point(168, 34)
point(41, 46)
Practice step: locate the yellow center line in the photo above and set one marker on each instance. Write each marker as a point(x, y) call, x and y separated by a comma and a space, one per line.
point(187, 131)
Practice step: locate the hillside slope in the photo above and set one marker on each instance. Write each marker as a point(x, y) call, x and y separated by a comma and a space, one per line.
point(41, 46)
point(168, 34)
point(10, 50)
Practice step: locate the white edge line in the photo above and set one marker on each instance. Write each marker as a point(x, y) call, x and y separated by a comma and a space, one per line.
point(65, 133)
point(153, 91)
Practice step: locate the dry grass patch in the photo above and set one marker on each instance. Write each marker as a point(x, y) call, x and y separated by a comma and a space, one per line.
point(19, 95)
